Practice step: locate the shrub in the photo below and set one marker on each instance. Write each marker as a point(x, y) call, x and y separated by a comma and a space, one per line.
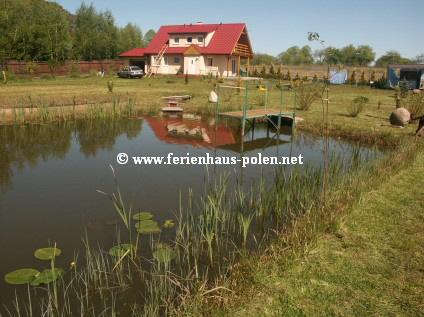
point(255, 72)
point(315, 78)
point(372, 76)
point(363, 80)
point(272, 71)
point(180, 71)
point(288, 75)
point(170, 80)
point(110, 86)
point(353, 79)
point(32, 68)
point(307, 94)
point(74, 75)
point(280, 72)
point(263, 71)
point(47, 77)
point(415, 104)
point(297, 77)
point(357, 106)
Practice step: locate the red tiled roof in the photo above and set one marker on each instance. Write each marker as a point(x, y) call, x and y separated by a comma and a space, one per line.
point(194, 28)
point(136, 52)
point(222, 42)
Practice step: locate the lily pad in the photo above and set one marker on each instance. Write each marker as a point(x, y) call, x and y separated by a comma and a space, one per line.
point(48, 276)
point(120, 250)
point(164, 255)
point(143, 216)
point(21, 276)
point(147, 226)
point(168, 223)
point(47, 253)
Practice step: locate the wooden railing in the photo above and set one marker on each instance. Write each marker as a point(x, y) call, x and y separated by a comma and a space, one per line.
point(242, 49)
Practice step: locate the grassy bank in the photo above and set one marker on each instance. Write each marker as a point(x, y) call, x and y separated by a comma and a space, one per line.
point(59, 98)
point(366, 263)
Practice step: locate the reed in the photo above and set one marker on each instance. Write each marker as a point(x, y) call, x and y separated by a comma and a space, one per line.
point(227, 224)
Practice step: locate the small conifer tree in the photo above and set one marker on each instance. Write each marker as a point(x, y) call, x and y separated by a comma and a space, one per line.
point(272, 71)
point(288, 75)
point(280, 72)
point(263, 71)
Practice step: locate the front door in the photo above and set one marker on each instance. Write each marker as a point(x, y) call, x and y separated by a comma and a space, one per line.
point(234, 67)
point(191, 66)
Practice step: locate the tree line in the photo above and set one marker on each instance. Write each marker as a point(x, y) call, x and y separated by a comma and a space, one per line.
point(362, 55)
point(37, 30)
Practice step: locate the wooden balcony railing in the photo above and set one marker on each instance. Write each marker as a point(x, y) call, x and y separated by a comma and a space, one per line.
point(242, 50)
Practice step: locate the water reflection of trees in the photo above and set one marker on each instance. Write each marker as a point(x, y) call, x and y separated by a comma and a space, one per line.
point(26, 146)
point(94, 135)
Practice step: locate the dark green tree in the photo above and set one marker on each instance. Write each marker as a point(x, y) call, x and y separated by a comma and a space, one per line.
point(148, 37)
point(130, 37)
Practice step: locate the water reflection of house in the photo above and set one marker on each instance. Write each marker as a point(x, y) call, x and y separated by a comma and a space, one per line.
point(189, 131)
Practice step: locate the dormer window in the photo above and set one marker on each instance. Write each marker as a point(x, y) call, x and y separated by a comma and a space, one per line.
point(176, 40)
point(189, 39)
point(200, 39)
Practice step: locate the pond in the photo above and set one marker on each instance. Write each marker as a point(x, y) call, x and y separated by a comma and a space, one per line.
point(50, 174)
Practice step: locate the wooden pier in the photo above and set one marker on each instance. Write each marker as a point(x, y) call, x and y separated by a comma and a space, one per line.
point(273, 116)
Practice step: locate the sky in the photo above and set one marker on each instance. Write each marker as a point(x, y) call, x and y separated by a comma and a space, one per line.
point(275, 25)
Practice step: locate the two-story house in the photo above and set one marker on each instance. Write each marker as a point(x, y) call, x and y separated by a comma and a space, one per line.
point(194, 49)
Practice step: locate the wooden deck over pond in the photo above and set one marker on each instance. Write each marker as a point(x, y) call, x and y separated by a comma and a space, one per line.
point(251, 114)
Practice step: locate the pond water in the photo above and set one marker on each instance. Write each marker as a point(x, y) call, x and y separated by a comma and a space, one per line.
point(50, 174)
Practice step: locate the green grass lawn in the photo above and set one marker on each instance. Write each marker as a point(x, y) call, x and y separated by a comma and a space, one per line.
point(371, 265)
point(148, 93)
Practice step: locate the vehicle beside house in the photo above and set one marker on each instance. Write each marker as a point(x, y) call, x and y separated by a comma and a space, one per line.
point(194, 49)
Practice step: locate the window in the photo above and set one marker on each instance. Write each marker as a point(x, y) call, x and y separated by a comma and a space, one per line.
point(210, 61)
point(176, 40)
point(200, 39)
point(410, 75)
point(189, 39)
point(165, 61)
point(176, 60)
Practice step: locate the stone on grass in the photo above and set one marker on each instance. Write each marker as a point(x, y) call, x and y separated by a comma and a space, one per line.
point(400, 117)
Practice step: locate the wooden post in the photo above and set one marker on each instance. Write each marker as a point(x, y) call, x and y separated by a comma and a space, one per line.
point(248, 67)
point(228, 65)
point(238, 66)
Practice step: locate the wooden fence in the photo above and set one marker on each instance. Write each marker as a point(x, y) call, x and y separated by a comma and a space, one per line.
point(36, 69)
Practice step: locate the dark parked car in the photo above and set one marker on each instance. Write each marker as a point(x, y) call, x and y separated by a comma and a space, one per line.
point(131, 72)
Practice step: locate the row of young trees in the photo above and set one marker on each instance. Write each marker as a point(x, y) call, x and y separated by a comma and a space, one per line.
point(37, 30)
point(362, 55)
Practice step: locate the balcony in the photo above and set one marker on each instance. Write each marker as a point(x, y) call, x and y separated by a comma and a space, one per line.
point(242, 50)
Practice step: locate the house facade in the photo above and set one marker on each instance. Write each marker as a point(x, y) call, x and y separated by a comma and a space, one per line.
point(195, 49)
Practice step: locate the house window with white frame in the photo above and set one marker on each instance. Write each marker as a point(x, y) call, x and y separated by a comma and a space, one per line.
point(176, 40)
point(165, 61)
point(189, 39)
point(200, 39)
point(176, 60)
point(210, 61)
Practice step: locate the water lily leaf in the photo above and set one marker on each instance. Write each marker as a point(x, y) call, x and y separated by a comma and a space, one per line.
point(164, 255)
point(21, 276)
point(121, 249)
point(143, 216)
point(147, 226)
point(47, 253)
point(48, 276)
point(168, 223)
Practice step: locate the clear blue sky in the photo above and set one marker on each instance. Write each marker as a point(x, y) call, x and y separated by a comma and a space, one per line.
point(276, 25)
